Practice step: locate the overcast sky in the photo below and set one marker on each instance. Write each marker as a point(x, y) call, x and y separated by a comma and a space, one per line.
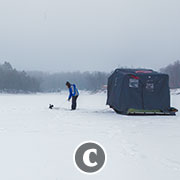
point(71, 35)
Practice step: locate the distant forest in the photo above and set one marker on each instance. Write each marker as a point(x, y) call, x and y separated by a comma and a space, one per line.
point(90, 81)
point(173, 70)
point(13, 81)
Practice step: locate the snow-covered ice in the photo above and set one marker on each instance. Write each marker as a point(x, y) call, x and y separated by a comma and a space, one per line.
point(37, 143)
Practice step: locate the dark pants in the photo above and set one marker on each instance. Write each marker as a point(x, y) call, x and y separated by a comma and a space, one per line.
point(74, 102)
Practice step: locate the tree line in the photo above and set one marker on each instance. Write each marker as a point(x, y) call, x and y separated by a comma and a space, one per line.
point(89, 81)
point(173, 70)
point(14, 81)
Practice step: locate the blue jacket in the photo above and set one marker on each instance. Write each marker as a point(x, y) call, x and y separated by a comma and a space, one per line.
point(73, 91)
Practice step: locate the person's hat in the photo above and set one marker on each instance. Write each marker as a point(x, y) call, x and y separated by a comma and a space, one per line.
point(68, 83)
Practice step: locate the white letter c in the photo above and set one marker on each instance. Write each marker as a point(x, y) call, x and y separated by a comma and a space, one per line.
point(86, 157)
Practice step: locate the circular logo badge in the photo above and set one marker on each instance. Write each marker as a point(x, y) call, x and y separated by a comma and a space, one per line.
point(90, 157)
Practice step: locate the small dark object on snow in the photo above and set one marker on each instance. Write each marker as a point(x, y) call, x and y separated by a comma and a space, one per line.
point(51, 106)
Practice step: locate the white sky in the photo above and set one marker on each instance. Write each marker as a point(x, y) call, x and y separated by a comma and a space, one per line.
point(70, 35)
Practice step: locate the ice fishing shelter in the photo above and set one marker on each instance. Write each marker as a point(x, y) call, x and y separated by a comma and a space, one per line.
point(139, 91)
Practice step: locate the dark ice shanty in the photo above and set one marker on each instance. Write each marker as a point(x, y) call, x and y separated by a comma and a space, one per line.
point(139, 91)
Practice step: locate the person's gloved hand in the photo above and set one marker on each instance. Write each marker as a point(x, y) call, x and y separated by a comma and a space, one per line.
point(68, 99)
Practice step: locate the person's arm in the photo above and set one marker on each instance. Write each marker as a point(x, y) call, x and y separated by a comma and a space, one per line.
point(73, 90)
point(77, 91)
point(70, 93)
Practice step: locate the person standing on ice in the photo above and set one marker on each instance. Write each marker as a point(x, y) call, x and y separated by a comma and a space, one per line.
point(73, 93)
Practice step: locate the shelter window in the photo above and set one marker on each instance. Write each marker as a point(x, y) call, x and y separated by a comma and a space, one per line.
point(133, 83)
point(150, 86)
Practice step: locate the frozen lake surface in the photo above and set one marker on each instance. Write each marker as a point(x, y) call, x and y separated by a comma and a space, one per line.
point(38, 144)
